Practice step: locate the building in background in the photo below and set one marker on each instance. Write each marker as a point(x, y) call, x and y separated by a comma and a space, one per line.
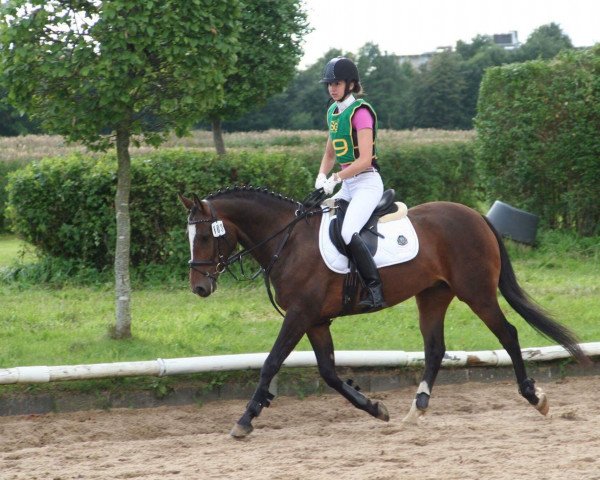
point(421, 59)
point(508, 41)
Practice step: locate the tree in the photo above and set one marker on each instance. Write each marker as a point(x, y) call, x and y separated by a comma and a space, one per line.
point(478, 43)
point(387, 85)
point(301, 106)
point(11, 123)
point(271, 39)
point(108, 73)
point(476, 56)
point(307, 98)
point(544, 43)
point(439, 92)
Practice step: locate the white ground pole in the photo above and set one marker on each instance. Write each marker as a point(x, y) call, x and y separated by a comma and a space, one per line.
point(359, 358)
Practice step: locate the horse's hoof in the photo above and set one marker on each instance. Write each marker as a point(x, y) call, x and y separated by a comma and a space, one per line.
point(543, 405)
point(382, 412)
point(414, 414)
point(241, 431)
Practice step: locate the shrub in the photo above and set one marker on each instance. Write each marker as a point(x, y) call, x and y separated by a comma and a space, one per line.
point(64, 206)
point(538, 144)
point(429, 172)
point(5, 169)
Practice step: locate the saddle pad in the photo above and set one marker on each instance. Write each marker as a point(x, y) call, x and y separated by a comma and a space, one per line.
point(400, 243)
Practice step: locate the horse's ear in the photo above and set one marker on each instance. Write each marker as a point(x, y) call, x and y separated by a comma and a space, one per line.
point(187, 203)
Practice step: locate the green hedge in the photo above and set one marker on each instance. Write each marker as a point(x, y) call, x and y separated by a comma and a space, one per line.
point(538, 144)
point(64, 206)
point(428, 172)
point(5, 169)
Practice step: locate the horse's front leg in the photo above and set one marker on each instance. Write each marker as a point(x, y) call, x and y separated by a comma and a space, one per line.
point(322, 343)
point(293, 328)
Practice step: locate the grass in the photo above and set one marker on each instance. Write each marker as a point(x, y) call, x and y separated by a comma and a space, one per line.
point(70, 325)
point(36, 147)
point(12, 249)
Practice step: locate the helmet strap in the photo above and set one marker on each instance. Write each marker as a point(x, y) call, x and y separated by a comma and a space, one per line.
point(347, 90)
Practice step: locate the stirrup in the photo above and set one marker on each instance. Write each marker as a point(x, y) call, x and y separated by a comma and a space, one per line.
point(373, 300)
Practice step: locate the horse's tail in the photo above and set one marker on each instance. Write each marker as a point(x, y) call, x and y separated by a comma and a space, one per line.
point(535, 315)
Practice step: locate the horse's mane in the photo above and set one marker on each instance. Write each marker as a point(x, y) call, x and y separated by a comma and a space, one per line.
point(245, 189)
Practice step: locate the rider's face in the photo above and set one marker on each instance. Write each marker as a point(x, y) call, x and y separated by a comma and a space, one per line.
point(337, 89)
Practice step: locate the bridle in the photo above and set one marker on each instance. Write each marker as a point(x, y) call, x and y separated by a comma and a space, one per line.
point(221, 262)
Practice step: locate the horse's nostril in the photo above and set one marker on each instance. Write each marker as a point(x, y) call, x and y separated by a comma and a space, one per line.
point(202, 288)
point(198, 290)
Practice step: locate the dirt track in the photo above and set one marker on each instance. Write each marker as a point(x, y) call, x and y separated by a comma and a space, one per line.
point(472, 431)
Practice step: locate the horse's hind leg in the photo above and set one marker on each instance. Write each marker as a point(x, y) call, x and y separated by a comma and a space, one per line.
point(432, 304)
point(491, 313)
point(322, 343)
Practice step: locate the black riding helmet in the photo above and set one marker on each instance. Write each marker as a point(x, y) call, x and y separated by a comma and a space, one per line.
point(340, 68)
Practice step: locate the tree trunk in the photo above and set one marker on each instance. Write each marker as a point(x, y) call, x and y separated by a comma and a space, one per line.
point(122, 281)
point(218, 135)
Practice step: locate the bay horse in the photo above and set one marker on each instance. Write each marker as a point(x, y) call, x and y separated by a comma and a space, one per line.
point(461, 255)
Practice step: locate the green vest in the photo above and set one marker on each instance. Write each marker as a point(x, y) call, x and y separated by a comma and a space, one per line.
point(343, 137)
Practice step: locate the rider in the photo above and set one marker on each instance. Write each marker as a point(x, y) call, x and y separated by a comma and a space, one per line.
point(351, 143)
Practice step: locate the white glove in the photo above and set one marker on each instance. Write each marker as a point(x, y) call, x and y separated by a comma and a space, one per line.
point(320, 181)
point(330, 184)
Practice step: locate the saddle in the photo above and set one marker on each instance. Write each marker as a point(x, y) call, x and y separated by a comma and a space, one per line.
point(368, 233)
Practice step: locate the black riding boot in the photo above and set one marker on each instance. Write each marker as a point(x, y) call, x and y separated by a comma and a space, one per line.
point(368, 271)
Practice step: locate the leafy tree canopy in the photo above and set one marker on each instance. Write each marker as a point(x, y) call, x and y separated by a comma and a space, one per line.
point(439, 94)
point(88, 68)
point(11, 123)
point(545, 42)
point(270, 40)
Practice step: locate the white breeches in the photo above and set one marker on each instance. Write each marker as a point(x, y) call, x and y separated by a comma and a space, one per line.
point(363, 192)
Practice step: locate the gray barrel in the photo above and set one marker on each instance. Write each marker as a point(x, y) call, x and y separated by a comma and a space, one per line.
point(513, 223)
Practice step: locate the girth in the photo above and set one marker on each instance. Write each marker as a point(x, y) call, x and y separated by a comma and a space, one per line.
point(369, 232)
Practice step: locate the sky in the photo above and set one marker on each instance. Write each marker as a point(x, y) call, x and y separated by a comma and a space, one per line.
point(407, 27)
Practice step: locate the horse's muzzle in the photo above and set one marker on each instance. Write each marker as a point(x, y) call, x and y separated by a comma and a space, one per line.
point(204, 289)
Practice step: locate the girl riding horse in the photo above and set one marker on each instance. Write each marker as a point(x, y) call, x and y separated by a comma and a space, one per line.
point(351, 143)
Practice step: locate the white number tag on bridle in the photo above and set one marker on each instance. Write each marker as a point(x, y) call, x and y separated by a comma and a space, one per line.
point(218, 228)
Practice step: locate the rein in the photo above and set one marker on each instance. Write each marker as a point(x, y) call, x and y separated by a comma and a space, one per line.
point(305, 210)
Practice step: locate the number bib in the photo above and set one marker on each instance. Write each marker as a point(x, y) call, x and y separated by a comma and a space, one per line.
point(343, 137)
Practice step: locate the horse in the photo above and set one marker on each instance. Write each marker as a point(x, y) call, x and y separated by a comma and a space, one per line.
point(460, 255)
